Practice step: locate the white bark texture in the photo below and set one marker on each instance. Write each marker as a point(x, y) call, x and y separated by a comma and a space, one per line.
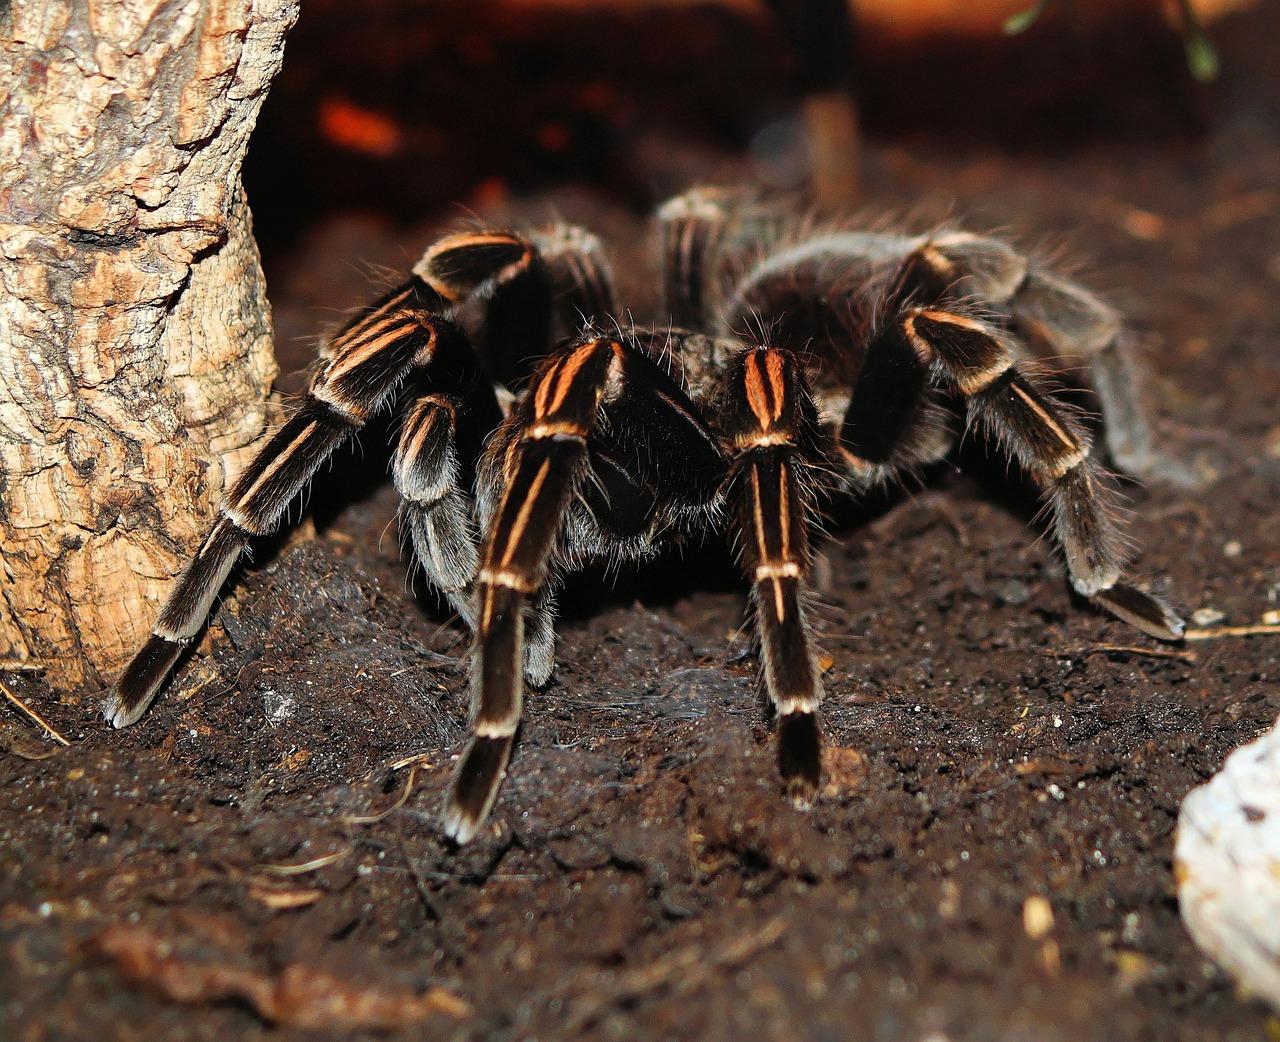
point(135, 338)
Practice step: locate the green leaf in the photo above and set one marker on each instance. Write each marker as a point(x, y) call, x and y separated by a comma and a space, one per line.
point(1202, 59)
point(1023, 20)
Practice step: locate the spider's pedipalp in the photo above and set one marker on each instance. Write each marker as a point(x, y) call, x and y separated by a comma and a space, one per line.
point(453, 410)
point(768, 418)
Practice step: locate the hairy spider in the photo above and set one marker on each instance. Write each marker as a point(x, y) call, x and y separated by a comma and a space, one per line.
point(619, 440)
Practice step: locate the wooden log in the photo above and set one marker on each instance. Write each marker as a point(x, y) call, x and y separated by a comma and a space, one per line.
point(136, 350)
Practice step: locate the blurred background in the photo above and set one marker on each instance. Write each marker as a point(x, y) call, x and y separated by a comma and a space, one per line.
point(404, 107)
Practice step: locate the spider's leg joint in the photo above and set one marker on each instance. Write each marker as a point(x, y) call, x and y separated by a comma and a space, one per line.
point(461, 264)
point(974, 355)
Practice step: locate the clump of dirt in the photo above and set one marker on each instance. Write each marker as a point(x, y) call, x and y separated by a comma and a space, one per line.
point(994, 744)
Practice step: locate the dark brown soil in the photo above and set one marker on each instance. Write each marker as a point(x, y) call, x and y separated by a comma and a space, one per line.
point(991, 738)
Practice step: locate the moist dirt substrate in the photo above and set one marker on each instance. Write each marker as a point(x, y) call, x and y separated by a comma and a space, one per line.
point(992, 741)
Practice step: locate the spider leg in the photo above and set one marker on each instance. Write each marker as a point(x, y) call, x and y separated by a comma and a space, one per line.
point(1068, 320)
point(360, 371)
point(544, 453)
point(566, 282)
point(580, 274)
point(433, 470)
point(438, 510)
point(894, 421)
point(1058, 319)
point(702, 230)
point(770, 421)
point(570, 475)
point(976, 360)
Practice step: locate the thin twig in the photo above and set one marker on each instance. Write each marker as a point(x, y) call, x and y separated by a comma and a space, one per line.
point(369, 819)
point(14, 665)
point(306, 866)
point(32, 715)
point(684, 971)
point(1214, 632)
point(1185, 656)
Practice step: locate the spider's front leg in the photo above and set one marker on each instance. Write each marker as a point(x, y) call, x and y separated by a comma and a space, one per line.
point(771, 424)
point(433, 470)
point(359, 373)
point(573, 474)
point(544, 454)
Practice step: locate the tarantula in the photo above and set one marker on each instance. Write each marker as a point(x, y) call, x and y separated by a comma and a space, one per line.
point(799, 363)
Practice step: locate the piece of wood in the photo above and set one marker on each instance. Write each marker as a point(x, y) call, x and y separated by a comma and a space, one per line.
point(135, 337)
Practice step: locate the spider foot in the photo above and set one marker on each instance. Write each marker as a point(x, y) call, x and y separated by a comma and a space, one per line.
point(1143, 610)
point(475, 786)
point(800, 757)
point(139, 683)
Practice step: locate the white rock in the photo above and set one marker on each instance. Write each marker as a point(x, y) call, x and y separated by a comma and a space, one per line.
point(1227, 861)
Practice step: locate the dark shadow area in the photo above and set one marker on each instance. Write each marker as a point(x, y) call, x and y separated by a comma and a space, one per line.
point(405, 109)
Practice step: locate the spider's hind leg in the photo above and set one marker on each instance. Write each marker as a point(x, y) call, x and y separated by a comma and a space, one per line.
point(1060, 318)
point(977, 361)
point(703, 230)
point(1061, 322)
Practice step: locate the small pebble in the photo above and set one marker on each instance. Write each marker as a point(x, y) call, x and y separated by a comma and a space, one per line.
point(1015, 592)
point(1232, 548)
point(1037, 917)
point(1207, 616)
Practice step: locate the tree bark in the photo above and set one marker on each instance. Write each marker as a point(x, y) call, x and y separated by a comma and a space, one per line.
point(135, 338)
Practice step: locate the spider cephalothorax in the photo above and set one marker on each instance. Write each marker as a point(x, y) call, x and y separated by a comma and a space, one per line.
point(617, 440)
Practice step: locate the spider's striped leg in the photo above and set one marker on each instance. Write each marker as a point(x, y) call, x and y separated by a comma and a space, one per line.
point(568, 278)
point(563, 282)
point(361, 368)
point(976, 360)
point(1058, 320)
point(434, 472)
point(1061, 319)
point(771, 424)
point(544, 450)
point(704, 230)
point(578, 449)
point(581, 278)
